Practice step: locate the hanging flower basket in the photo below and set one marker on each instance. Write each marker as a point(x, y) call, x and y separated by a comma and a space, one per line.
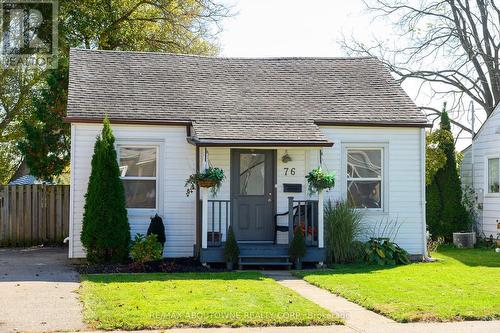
point(319, 180)
point(206, 183)
point(210, 178)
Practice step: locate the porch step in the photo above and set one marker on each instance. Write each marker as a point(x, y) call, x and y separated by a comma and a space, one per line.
point(269, 259)
point(265, 256)
point(263, 263)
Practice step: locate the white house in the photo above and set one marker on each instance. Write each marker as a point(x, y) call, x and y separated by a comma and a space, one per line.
point(480, 170)
point(173, 113)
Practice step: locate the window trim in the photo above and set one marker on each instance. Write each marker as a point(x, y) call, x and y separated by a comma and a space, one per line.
point(384, 148)
point(156, 178)
point(487, 192)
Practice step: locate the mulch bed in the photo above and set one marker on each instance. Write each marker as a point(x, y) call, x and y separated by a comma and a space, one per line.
point(177, 265)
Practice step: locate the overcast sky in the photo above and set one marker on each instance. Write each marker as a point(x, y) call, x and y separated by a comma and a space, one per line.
point(312, 28)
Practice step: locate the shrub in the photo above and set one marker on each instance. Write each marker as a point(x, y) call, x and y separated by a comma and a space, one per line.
point(342, 227)
point(105, 231)
point(382, 251)
point(157, 228)
point(297, 248)
point(146, 248)
point(319, 180)
point(445, 211)
point(231, 249)
point(215, 175)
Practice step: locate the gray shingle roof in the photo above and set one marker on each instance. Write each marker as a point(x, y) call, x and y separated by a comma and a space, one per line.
point(236, 98)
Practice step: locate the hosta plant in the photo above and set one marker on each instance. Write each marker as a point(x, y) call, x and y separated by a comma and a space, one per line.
point(382, 251)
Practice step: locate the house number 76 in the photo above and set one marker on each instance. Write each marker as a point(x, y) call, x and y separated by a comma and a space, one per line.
point(290, 171)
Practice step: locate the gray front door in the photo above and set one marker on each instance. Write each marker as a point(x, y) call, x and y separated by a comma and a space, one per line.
point(252, 194)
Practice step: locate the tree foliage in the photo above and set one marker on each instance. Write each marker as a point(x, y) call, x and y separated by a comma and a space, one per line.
point(444, 211)
point(133, 25)
point(106, 232)
point(46, 145)
point(450, 46)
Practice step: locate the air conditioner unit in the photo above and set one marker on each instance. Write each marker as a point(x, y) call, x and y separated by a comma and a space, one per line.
point(464, 239)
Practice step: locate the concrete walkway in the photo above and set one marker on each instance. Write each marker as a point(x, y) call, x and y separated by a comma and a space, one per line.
point(37, 291)
point(358, 319)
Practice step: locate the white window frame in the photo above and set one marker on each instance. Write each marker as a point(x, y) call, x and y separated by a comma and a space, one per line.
point(156, 178)
point(487, 192)
point(383, 147)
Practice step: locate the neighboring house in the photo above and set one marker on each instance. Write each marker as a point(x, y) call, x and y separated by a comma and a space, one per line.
point(480, 170)
point(23, 176)
point(26, 180)
point(172, 114)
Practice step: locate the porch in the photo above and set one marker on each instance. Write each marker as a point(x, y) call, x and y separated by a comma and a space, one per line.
point(264, 197)
point(305, 214)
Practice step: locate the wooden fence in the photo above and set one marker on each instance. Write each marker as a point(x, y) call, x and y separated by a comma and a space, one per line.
point(33, 214)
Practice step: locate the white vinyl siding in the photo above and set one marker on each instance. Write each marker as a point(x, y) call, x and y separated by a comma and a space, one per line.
point(486, 145)
point(403, 170)
point(402, 179)
point(176, 161)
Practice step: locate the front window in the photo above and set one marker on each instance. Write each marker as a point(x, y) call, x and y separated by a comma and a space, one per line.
point(138, 174)
point(364, 177)
point(493, 175)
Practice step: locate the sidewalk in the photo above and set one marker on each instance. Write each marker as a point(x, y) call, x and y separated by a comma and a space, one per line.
point(358, 319)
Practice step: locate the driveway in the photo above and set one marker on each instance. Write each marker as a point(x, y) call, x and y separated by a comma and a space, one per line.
point(37, 291)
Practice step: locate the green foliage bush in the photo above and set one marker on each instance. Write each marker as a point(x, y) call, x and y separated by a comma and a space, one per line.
point(342, 228)
point(297, 248)
point(213, 174)
point(156, 227)
point(445, 212)
point(146, 248)
point(319, 180)
point(231, 249)
point(382, 251)
point(46, 143)
point(105, 231)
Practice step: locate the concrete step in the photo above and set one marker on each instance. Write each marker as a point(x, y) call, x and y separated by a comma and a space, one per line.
point(264, 263)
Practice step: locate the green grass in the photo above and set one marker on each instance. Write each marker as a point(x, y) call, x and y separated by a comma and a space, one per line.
point(463, 285)
point(142, 301)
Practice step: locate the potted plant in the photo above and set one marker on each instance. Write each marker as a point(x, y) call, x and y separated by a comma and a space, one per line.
point(231, 249)
point(297, 248)
point(319, 180)
point(209, 178)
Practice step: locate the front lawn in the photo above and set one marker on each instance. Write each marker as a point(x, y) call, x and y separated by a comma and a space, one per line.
point(142, 301)
point(463, 285)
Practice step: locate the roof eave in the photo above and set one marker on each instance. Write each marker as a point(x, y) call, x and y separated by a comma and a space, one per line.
point(371, 124)
point(256, 143)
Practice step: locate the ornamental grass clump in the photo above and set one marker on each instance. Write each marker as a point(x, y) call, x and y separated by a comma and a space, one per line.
point(105, 230)
point(342, 227)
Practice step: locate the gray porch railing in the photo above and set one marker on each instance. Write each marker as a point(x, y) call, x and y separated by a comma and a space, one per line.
point(218, 221)
point(303, 214)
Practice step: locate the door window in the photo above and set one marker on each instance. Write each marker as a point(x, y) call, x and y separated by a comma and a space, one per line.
point(252, 174)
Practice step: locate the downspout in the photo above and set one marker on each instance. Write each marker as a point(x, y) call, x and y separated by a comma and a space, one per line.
point(198, 217)
point(423, 198)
